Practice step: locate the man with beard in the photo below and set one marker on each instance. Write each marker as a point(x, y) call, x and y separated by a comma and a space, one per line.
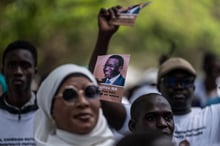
point(195, 126)
point(18, 105)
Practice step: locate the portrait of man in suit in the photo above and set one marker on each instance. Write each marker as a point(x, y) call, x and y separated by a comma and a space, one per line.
point(112, 71)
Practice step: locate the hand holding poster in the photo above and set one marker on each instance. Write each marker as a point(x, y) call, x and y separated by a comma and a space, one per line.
point(128, 16)
point(110, 72)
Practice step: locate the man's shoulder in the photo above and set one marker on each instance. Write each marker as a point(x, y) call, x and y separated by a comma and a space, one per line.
point(120, 81)
point(121, 77)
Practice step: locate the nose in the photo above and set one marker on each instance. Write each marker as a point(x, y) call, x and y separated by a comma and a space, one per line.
point(161, 123)
point(18, 70)
point(106, 68)
point(82, 101)
point(179, 85)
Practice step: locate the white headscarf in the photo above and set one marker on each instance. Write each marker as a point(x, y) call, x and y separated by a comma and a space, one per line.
point(44, 126)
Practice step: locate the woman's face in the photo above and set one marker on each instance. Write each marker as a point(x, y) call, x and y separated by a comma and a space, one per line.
point(76, 110)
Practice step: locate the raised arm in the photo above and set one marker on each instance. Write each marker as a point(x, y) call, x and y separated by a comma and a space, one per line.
point(105, 32)
point(115, 113)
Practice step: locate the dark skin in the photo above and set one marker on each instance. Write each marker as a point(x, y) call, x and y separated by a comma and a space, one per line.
point(114, 112)
point(112, 68)
point(19, 71)
point(147, 138)
point(105, 32)
point(152, 112)
point(179, 97)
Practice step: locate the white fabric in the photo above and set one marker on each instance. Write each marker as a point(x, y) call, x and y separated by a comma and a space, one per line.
point(146, 89)
point(46, 133)
point(150, 76)
point(15, 131)
point(124, 129)
point(200, 127)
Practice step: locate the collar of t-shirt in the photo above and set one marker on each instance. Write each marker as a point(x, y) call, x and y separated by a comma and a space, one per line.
point(29, 103)
point(112, 80)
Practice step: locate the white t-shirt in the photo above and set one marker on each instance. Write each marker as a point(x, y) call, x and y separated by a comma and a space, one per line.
point(200, 127)
point(14, 131)
point(17, 129)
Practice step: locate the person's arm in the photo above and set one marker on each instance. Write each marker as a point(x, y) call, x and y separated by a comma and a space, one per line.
point(105, 32)
point(115, 113)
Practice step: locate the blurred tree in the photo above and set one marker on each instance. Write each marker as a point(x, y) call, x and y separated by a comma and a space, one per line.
point(65, 31)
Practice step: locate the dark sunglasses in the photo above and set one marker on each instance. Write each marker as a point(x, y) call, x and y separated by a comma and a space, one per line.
point(172, 82)
point(90, 91)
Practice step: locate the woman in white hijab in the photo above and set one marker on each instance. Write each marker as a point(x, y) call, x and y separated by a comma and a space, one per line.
point(69, 110)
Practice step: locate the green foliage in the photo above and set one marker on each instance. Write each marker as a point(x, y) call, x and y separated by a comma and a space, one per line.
point(65, 30)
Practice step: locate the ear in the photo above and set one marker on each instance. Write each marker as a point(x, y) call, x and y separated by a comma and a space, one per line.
point(120, 68)
point(132, 125)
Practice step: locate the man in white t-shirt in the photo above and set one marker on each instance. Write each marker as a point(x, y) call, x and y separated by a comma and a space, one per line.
point(198, 127)
point(18, 104)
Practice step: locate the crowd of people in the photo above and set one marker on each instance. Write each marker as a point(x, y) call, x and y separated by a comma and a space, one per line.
point(66, 110)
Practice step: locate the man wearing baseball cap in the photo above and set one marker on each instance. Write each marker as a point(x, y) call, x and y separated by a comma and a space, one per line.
point(199, 127)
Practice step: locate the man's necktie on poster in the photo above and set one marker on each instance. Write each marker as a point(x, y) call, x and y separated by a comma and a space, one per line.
point(111, 85)
point(107, 81)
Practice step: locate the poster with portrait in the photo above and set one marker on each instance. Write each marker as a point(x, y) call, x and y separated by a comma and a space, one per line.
point(110, 72)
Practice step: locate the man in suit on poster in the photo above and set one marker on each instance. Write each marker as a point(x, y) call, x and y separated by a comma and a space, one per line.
point(112, 71)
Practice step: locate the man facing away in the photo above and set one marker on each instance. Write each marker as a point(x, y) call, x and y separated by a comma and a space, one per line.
point(18, 105)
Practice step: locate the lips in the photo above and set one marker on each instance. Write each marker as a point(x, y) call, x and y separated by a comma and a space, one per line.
point(17, 81)
point(107, 73)
point(166, 131)
point(178, 96)
point(83, 116)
